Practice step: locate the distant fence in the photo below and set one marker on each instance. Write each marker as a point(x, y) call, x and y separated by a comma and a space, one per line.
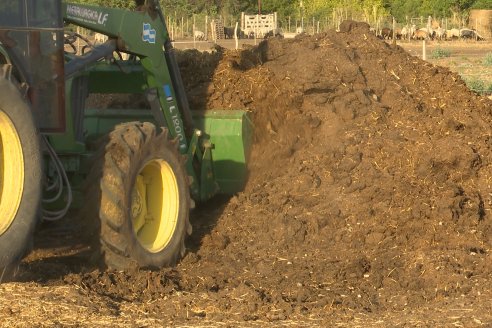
point(184, 27)
point(481, 20)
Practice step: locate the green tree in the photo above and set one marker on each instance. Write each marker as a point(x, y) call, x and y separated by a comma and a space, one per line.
point(178, 7)
point(482, 4)
point(400, 9)
point(284, 8)
point(403, 9)
point(317, 8)
point(108, 3)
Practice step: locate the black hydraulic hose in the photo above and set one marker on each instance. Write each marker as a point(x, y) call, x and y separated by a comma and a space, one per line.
point(63, 178)
point(80, 63)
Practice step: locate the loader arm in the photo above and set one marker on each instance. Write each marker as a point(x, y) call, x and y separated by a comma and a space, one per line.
point(144, 34)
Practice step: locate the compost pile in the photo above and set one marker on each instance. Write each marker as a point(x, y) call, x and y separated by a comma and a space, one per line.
point(369, 190)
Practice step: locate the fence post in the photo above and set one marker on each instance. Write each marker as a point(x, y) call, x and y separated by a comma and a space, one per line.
point(476, 29)
point(206, 27)
point(235, 35)
point(424, 51)
point(394, 29)
point(78, 41)
point(172, 28)
point(194, 34)
point(256, 26)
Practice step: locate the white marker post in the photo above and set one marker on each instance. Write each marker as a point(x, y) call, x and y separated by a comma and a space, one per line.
point(424, 52)
point(235, 36)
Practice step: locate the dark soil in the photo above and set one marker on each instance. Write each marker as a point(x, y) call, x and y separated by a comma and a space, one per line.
point(369, 190)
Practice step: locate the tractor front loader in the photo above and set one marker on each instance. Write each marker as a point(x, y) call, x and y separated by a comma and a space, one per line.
point(142, 168)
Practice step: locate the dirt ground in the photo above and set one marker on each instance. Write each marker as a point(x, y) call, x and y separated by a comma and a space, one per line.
point(368, 204)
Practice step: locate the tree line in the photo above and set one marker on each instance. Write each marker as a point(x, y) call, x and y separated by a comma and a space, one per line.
point(318, 9)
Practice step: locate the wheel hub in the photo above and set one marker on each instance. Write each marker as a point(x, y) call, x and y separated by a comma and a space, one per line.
point(155, 205)
point(11, 172)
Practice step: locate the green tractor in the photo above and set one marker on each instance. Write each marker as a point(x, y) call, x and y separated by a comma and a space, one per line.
point(143, 169)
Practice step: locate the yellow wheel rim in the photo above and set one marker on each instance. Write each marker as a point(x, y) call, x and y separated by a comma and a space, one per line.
point(155, 205)
point(11, 172)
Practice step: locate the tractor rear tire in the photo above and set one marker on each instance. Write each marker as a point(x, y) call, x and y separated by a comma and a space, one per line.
point(20, 178)
point(144, 199)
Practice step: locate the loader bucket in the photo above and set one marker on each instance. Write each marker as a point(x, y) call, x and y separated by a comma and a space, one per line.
point(230, 132)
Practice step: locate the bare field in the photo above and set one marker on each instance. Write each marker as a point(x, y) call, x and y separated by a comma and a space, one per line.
point(471, 60)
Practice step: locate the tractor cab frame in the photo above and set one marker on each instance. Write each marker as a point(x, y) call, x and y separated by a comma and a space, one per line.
point(31, 34)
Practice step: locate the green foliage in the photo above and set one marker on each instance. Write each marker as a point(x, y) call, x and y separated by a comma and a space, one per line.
point(439, 8)
point(180, 8)
point(284, 8)
point(476, 85)
point(440, 53)
point(108, 3)
point(87, 2)
point(400, 9)
point(482, 4)
point(487, 61)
